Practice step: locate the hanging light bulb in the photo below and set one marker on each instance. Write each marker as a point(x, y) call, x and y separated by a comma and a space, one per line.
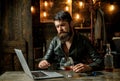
point(77, 17)
point(69, 1)
point(81, 4)
point(45, 3)
point(67, 8)
point(112, 7)
point(32, 9)
point(94, 1)
point(44, 14)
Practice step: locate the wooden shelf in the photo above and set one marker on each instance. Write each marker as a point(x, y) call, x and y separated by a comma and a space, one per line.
point(82, 28)
point(47, 21)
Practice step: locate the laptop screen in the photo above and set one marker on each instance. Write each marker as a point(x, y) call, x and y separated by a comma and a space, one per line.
point(35, 74)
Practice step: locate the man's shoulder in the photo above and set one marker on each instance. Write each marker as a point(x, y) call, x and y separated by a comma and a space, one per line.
point(55, 39)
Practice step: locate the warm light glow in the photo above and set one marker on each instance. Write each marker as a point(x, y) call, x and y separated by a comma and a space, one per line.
point(45, 3)
point(77, 16)
point(81, 4)
point(111, 7)
point(67, 8)
point(69, 1)
point(94, 1)
point(32, 9)
point(51, 3)
point(44, 14)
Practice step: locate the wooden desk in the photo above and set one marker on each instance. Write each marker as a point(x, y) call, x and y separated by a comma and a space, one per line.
point(101, 76)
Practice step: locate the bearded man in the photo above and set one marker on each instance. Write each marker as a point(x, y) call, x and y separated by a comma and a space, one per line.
point(68, 43)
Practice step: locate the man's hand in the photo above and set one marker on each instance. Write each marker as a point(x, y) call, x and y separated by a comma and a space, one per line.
point(43, 64)
point(81, 68)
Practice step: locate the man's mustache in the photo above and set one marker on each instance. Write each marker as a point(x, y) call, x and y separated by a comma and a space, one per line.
point(63, 32)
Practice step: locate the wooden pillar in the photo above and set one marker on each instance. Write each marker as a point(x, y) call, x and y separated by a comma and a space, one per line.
point(16, 31)
point(27, 29)
point(1, 56)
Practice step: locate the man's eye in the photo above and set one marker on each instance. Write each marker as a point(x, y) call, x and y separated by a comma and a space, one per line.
point(63, 25)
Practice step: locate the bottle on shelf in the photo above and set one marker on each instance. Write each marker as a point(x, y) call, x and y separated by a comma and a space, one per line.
point(108, 59)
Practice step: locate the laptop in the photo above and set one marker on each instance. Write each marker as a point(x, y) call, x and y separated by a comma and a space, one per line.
point(40, 74)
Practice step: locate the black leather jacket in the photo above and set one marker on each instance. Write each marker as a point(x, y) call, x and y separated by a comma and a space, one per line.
point(82, 51)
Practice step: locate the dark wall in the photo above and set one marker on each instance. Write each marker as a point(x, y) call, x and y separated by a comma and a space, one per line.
point(49, 31)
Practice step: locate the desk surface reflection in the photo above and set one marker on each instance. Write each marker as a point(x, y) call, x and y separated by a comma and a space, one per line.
point(91, 76)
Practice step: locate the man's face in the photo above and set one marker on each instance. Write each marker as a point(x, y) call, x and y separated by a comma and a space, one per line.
point(64, 30)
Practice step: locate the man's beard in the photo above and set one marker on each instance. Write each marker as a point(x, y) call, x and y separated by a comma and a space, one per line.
point(64, 36)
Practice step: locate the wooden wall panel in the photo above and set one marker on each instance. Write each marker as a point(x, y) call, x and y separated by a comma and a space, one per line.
point(16, 32)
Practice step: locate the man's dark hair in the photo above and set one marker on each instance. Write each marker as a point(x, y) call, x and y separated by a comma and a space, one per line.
point(63, 15)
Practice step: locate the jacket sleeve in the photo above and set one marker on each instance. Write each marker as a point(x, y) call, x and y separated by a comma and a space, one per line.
point(50, 52)
point(97, 59)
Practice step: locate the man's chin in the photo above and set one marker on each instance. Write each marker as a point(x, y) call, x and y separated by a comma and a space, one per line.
point(64, 36)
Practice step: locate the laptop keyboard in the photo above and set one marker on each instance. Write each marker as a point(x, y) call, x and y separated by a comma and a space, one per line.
point(38, 74)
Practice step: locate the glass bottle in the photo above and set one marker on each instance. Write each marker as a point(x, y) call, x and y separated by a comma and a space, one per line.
point(108, 59)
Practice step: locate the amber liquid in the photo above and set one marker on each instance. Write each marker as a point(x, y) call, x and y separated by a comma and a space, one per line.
point(67, 68)
point(109, 69)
